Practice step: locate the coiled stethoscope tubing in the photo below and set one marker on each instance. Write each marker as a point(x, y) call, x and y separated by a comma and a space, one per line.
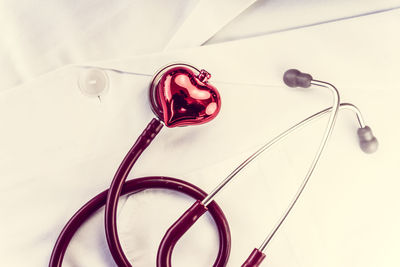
point(119, 187)
point(131, 187)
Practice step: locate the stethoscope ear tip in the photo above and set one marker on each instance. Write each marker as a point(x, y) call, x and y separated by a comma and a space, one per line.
point(296, 78)
point(368, 142)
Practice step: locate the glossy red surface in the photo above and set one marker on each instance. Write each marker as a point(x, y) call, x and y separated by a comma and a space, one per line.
point(187, 99)
point(255, 259)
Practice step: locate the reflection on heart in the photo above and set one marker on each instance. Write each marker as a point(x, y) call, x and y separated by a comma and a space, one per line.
point(187, 99)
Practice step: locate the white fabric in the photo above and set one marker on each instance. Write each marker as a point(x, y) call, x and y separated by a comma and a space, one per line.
point(40, 37)
point(37, 37)
point(59, 148)
point(206, 19)
point(270, 16)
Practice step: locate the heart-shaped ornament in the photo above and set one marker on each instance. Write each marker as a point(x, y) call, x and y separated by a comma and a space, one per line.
point(186, 98)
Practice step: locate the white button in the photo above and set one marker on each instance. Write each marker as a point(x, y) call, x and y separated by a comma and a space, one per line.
point(93, 82)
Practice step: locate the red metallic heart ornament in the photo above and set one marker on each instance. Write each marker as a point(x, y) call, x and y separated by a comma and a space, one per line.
point(186, 98)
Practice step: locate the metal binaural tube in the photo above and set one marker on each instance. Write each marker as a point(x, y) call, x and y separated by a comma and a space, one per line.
point(368, 143)
point(359, 116)
point(327, 133)
point(279, 138)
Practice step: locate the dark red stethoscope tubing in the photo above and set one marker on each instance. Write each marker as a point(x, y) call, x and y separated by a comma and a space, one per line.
point(118, 187)
point(134, 186)
point(114, 192)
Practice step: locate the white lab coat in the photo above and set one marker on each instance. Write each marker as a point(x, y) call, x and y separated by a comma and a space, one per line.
point(59, 147)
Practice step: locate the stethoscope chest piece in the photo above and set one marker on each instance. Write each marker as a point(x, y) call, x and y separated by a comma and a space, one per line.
point(180, 95)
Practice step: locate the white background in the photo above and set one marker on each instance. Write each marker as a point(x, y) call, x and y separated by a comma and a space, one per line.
point(59, 148)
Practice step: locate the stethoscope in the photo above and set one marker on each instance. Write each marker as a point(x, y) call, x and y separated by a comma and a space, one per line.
point(180, 95)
